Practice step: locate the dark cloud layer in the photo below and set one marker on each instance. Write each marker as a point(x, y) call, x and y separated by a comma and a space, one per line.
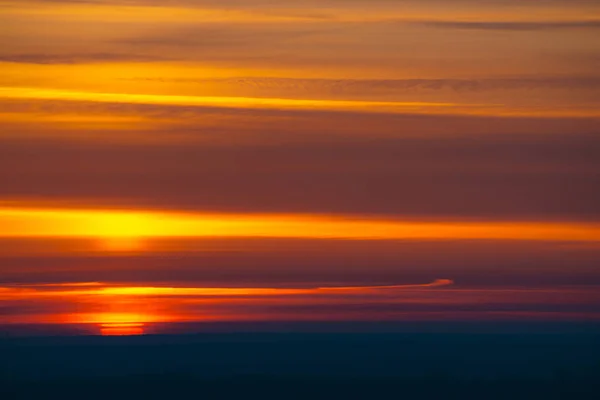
point(267, 262)
point(526, 176)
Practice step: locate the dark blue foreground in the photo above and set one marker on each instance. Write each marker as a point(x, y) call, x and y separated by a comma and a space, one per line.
point(303, 365)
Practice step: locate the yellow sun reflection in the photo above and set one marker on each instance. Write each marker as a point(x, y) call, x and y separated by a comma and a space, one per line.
point(116, 323)
point(122, 329)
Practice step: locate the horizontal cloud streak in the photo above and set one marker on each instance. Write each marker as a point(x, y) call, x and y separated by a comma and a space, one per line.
point(436, 283)
point(141, 305)
point(282, 103)
point(229, 102)
point(76, 58)
point(115, 229)
point(97, 288)
point(515, 25)
point(154, 304)
point(387, 85)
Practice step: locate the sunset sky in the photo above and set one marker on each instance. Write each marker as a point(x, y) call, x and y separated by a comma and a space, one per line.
point(321, 160)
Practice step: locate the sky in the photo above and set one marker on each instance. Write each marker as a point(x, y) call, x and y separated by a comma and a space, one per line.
point(239, 160)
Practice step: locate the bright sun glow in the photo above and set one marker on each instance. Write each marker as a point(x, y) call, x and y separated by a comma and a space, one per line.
point(123, 232)
point(128, 230)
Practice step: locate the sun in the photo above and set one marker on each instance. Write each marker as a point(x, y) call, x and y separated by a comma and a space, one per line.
point(122, 231)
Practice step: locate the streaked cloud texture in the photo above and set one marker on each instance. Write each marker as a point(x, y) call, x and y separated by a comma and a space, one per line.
point(284, 145)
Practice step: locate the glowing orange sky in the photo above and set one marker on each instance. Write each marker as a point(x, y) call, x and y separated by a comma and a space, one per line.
point(167, 148)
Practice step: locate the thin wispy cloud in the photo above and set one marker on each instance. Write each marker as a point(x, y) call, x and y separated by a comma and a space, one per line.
point(77, 58)
point(515, 25)
point(388, 85)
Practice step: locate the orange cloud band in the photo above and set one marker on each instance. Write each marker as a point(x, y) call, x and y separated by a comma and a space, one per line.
point(118, 308)
point(114, 226)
